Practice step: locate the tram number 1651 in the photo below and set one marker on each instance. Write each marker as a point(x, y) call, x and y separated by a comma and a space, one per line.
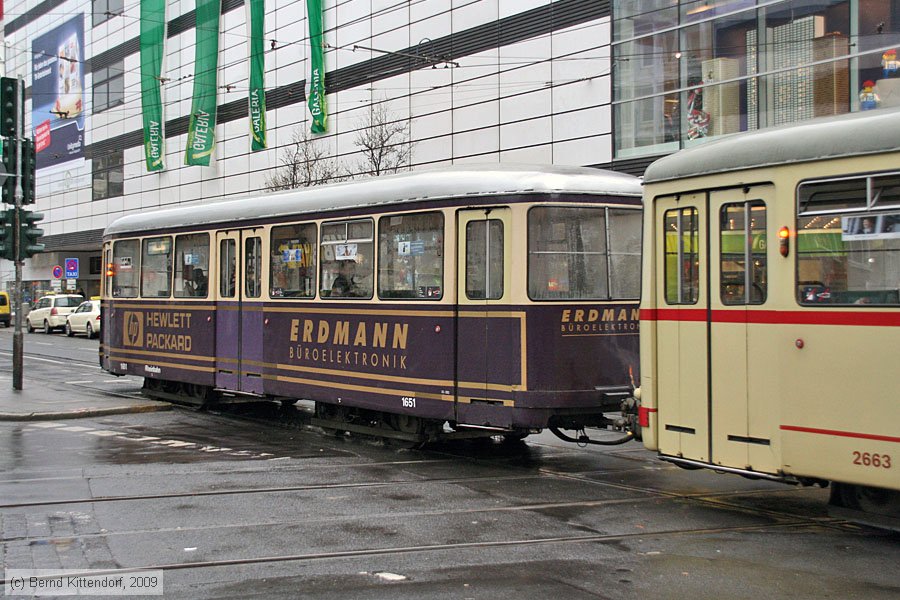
point(408, 401)
point(868, 459)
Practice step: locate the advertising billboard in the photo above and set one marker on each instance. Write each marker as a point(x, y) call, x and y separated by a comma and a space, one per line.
point(57, 93)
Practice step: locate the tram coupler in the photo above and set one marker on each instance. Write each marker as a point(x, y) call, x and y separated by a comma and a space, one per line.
point(583, 439)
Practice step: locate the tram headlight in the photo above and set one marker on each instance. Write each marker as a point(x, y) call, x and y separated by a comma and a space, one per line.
point(784, 241)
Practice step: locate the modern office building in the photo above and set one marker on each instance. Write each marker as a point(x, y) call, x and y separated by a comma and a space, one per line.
point(572, 82)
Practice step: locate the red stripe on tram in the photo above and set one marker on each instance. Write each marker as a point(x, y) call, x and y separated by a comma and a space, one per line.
point(777, 317)
point(849, 434)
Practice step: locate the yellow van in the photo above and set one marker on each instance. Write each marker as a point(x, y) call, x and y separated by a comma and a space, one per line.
point(5, 314)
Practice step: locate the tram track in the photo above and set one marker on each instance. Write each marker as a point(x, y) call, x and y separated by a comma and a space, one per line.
point(423, 548)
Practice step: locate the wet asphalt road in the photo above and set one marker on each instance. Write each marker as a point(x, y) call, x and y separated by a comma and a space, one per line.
point(238, 509)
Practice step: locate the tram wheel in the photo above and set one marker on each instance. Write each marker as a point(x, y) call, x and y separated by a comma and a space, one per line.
point(866, 499)
point(407, 423)
point(154, 385)
point(516, 436)
point(195, 391)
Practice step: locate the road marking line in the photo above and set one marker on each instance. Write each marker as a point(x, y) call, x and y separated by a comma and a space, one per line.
point(76, 428)
point(74, 382)
point(46, 425)
point(103, 433)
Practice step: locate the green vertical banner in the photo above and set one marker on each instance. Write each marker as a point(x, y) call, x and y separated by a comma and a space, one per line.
point(257, 75)
point(201, 138)
point(317, 107)
point(153, 39)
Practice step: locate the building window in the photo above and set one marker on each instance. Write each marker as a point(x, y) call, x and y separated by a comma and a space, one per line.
point(104, 10)
point(686, 71)
point(108, 174)
point(109, 86)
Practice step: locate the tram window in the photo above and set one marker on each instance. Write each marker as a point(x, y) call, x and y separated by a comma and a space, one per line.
point(859, 193)
point(156, 267)
point(126, 267)
point(410, 256)
point(567, 254)
point(346, 259)
point(227, 268)
point(192, 266)
point(253, 267)
point(742, 247)
point(293, 261)
point(848, 258)
point(484, 260)
point(624, 253)
point(682, 251)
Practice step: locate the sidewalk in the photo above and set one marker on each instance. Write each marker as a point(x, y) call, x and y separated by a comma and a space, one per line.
point(43, 401)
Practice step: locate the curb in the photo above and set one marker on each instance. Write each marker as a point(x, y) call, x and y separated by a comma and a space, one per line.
point(83, 413)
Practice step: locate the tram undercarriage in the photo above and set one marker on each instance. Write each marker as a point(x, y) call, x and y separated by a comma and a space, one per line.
point(339, 420)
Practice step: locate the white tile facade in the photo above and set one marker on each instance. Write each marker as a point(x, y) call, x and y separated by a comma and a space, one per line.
point(545, 99)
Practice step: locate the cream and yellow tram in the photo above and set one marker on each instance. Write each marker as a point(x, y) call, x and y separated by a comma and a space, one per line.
point(770, 311)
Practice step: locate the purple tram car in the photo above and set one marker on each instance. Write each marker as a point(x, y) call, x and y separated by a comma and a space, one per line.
point(478, 301)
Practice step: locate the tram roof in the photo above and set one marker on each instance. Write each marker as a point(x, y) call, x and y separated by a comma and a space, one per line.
point(861, 133)
point(416, 186)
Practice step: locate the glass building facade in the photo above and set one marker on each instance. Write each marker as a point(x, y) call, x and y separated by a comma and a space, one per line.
point(689, 70)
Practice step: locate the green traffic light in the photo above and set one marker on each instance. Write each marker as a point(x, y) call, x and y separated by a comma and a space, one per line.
point(9, 99)
point(7, 234)
point(29, 234)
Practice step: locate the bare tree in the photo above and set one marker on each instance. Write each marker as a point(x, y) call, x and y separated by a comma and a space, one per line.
point(305, 163)
point(384, 143)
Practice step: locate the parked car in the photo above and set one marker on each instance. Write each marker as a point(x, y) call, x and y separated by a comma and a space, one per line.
point(50, 312)
point(5, 313)
point(84, 319)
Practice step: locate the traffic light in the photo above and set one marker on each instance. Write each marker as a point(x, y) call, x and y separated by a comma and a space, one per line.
point(9, 106)
point(29, 160)
point(29, 234)
point(7, 237)
point(8, 191)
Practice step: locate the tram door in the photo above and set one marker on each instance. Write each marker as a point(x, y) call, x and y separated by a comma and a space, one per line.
point(682, 354)
point(239, 314)
point(483, 359)
point(742, 374)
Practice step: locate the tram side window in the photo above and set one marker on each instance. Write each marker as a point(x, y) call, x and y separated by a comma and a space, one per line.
point(192, 266)
point(126, 268)
point(410, 256)
point(682, 252)
point(293, 261)
point(567, 254)
point(848, 241)
point(849, 259)
point(624, 253)
point(484, 259)
point(346, 263)
point(156, 267)
point(253, 267)
point(227, 268)
point(742, 247)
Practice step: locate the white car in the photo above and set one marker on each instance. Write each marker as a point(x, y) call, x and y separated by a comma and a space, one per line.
point(50, 312)
point(85, 319)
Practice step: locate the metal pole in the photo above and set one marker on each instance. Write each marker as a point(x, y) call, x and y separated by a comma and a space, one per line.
point(17, 333)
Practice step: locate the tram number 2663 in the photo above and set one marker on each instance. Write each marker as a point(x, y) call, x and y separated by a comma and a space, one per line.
point(870, 459)
point(408, 401)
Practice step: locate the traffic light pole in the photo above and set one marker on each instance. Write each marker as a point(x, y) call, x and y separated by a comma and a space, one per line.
point(18, 348)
